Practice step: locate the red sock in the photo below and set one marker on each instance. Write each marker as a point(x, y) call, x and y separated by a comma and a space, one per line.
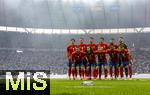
point(89, 73)
point(111, 71)
point(121, 72)
point(82, 73)
point(85, 72)
point(95, 73)
point(100, 72)
point(130, 71)
point(106, 72)
point(76, 73)
point(116, 72)
point(73, 73)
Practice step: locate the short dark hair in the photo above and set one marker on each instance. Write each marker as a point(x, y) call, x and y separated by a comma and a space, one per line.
point(121, 37)
point(102, 38)
point(72, 39)
point(91, 37)
point(112, 39)
point(81, 38)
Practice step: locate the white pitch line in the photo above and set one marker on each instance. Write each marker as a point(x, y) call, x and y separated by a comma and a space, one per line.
point(107, 87)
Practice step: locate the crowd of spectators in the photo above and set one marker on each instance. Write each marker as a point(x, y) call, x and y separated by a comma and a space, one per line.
point(21, 51)
point(141, 62)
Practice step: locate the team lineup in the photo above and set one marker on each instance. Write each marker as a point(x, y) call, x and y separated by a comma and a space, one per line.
point(90, 60)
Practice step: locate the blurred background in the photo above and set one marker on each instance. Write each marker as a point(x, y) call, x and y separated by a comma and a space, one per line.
point(34, 34)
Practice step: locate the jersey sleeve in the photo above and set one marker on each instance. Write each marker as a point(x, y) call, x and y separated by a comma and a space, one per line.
point(73, 57)
point(125, 46)
point(68, 49)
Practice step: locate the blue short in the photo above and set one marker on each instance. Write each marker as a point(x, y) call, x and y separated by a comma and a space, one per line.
point(125, 63)
point(78, 63)
point(115, 63)
point(74, 65)
point(102, 64)
point(92, 64)
point(69, 63)
point(84, 62)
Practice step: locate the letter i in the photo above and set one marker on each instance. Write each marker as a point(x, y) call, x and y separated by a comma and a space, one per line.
point(28, 81)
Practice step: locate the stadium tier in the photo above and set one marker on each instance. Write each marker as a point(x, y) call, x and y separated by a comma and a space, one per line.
point(60, 41)
point(24, 51)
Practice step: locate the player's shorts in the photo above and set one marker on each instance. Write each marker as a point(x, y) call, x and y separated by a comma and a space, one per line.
point(125, 63)
point(69, 63)
point(81, 64)
point(120, 63)
point(84, 62)
point(78, 63)
point(92, 64)
point(102, 64)
point(74, 65)
point(115, 63)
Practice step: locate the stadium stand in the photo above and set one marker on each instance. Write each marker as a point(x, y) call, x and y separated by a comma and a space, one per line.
point(27, 51)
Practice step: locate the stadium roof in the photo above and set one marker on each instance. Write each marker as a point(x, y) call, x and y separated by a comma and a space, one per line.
point(75, 14)
point(74, 31)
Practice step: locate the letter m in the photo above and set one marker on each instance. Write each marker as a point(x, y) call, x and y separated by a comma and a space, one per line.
point(14, 85)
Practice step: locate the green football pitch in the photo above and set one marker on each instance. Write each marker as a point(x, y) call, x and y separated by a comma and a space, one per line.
point(101, 87)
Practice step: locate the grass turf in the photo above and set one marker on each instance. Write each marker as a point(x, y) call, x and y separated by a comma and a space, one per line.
point(101, 87)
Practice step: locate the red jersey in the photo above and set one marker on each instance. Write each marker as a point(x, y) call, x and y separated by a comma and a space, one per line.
point(113, 52)
point(120, 45)
point(101, 52)
point(103, 47)
point(93, 46)
point(130, 56)
point(124, 55)
point(77, 56)
point(82, 47)
point(130, 59)
point(91, 57)
point(101, 56)
point(70, 50)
